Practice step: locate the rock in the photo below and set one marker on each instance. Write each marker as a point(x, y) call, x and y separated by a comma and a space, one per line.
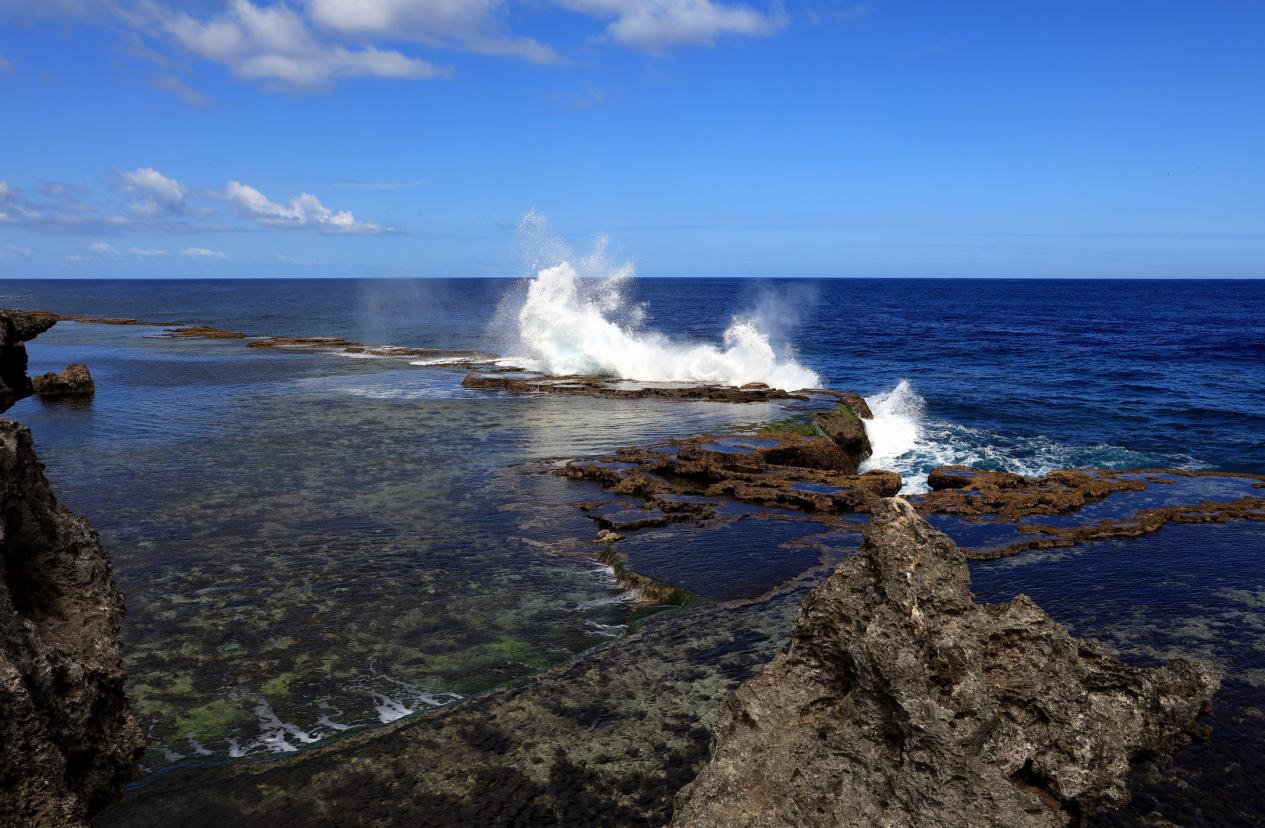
point(16, 328)
point(75, 381)
point(68, 742)
point(843, 425)
point(900, 702)
point(813, 453)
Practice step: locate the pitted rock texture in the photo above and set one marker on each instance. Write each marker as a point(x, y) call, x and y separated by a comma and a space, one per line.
point(900, 702)
point(74, 381)
point(68, 742)
point(16, 328)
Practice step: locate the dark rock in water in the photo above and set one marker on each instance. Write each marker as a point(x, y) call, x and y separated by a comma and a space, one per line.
point(813, 453)
point(75, 381)
point(16, 328)
point(843, 425)
point(68, 742)
point(901, 702)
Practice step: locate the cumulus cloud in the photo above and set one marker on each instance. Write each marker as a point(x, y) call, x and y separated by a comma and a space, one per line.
point(145, 200)
point(155, 193)
point(275, 44)
point(657, 26)
point(472, 25)
point(302, 211)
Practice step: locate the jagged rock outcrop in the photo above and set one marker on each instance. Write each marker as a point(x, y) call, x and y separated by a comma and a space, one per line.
point(901, 702)
point(16, 328)
point(74, 381)
point(68, 741)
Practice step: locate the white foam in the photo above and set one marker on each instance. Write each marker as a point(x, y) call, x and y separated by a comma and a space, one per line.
point(905, 440)
point(575, 319)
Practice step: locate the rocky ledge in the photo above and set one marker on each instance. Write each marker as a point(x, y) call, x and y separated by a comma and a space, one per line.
point(68, 742)
point(900, 701)
point(16, 328)
point(809, 462)
point(74, 381)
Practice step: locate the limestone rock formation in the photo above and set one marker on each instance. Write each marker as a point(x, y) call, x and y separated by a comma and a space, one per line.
point(68, 742)
point(74, 381)
point(16, 328)
point(902, 702)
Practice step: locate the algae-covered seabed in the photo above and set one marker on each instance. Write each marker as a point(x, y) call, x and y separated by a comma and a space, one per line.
point(310, 543)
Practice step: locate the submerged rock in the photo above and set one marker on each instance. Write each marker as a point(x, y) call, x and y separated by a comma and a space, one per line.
point(16, 328)
point(74, 381)
point(68, 741)
point(901, 702)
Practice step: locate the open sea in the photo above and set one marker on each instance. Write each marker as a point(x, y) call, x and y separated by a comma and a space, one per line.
point(311, 543)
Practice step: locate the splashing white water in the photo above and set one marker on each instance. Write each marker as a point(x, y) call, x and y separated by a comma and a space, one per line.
point(897, 424)
point(906, 441)
point(576, 320)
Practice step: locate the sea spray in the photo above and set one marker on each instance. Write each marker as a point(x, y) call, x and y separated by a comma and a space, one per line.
point(909, 442)
point(576, 319)
point(897, 424)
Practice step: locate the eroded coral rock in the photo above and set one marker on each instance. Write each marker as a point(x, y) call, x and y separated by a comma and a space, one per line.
point(16, 328)
point(902, 702)
point(74, 381)
point(68, 742)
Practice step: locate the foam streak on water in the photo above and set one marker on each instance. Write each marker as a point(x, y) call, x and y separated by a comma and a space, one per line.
point(573, 325)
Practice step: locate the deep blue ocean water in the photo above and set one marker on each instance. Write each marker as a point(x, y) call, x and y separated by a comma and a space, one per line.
point(310, 542)
point(1030, 373)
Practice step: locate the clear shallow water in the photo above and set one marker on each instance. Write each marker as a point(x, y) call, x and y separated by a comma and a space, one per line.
point(309, 542)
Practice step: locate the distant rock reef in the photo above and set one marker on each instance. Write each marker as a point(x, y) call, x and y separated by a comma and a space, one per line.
point(16, 329)
point(901, 702)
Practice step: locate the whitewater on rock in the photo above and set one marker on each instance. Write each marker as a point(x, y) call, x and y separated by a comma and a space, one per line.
point(576, 319)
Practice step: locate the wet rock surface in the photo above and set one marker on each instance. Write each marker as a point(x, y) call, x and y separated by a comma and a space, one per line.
point(900, 701)
point(68, 741)
point(811, 474)
point(17, 328)
point(74, 381)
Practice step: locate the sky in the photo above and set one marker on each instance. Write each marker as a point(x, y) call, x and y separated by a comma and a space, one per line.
point(409, 138)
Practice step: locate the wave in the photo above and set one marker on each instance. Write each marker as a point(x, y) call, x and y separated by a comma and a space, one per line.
point(905, 440)
point(576, 319)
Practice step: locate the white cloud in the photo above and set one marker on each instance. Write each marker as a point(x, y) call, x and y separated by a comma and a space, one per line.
point(657, 26)
point(275, 44)
point(5, 190)
point(145, 253)
point(302, 211)
point(472, 25)
point(166, 82)
point(203, 253)
point(156, 193)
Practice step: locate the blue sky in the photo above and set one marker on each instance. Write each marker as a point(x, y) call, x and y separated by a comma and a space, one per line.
point(704, 137)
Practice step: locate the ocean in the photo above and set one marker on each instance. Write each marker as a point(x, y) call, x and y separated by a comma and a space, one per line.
point(311, 543)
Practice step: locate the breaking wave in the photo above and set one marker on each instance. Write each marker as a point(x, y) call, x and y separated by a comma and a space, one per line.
point(905, 440)
point(576, 319)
